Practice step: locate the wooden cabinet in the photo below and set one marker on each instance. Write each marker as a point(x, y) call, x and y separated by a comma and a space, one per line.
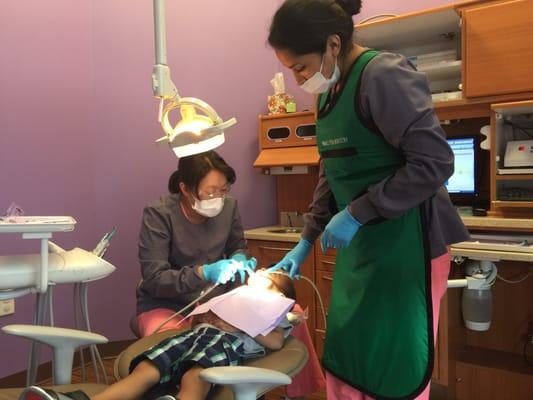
point(440, 364)
point(287, 130)
point(498, 55)
point(474, 382)
point(511, 189)
point(325, 266)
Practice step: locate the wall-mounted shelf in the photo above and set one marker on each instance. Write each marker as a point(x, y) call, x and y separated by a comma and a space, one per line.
point(437, 25)
point(513, 204)
point(442, 71)
point(516, 177)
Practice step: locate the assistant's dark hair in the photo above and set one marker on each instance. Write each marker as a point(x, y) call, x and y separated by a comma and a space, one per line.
point(303, 26)
point(192, 169)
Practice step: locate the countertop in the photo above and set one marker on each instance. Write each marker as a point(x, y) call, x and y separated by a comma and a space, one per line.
point(472, 223)
point(487, 223)
point(495, 223)
point(264, 233)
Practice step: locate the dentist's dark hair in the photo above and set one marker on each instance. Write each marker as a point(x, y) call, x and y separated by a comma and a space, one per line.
point(192, 169)
point(303, 26)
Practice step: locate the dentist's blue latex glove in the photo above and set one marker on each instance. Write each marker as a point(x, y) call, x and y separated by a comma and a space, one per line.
point(249, 264)
point(222, 271)
point(339, 231)
point(293, 259)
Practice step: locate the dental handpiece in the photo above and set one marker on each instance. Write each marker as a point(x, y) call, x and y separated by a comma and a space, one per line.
point(204, 293)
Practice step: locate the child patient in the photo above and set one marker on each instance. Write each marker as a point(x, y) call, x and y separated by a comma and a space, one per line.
point(174, 364)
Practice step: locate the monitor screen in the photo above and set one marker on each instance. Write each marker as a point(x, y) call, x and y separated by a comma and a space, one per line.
point(463, 180)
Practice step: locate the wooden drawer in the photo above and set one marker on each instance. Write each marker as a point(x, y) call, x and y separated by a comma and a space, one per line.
point(330, 253)
point(320, 336)
point(476, 382)
point(276, 394)
point(325, 263)
point(324, 282)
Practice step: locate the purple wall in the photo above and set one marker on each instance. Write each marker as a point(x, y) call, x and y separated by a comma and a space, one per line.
point(78, 122)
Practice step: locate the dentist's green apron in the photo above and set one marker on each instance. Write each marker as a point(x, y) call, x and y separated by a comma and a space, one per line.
point(379, 336)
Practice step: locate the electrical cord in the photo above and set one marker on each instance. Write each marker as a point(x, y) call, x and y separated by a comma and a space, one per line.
point(95, 354)
point(322, 308)
point(519, 280)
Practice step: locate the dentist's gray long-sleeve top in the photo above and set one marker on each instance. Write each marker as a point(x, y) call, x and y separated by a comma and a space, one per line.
point(397, 99)
point(171, 247)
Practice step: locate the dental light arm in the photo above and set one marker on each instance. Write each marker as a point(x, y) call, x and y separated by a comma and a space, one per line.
point(195, 133)
point(162, 84)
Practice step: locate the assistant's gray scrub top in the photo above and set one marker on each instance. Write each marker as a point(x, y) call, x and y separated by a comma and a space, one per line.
point(397, 99)
point(171, 247)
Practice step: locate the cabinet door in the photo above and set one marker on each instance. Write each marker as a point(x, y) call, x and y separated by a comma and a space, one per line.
point(269, 253)
point(440, 365)
point(498, 52)
point(478, 382)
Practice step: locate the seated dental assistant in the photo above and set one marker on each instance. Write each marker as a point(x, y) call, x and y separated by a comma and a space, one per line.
point(189, 240)
point(380, 201)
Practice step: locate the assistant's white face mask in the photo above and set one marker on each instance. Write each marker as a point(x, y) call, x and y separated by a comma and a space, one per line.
point(318, 83)
point(208, 208)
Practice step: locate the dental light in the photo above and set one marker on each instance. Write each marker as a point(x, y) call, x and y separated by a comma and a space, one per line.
point(194, 133)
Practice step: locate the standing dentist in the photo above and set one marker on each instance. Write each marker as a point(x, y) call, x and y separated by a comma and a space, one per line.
point(384, 161)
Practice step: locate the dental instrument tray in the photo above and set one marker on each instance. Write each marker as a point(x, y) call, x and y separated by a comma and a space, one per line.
point(37, 224)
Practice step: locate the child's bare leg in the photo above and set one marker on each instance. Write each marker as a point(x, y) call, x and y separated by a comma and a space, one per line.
point(143, 377)
point(192, 387)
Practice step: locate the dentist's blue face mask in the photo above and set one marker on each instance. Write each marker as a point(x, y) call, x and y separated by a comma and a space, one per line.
point(318, 83)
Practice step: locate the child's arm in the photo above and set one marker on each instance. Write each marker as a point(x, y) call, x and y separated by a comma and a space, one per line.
point(273, 341)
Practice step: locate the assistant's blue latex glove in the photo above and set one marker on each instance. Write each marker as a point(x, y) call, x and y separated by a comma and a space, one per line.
point(339, 231)
point(293, 259)
point(249, 264)
point(221, 271)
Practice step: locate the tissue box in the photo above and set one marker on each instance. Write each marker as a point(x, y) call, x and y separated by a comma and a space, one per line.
point(281, 103)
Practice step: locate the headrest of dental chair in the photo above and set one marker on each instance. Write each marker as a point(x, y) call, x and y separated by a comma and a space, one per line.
point(134, 326)
point(289, 360)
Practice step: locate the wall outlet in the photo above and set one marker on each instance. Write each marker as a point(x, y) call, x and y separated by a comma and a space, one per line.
point(7, 307)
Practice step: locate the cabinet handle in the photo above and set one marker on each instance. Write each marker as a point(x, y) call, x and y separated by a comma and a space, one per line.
point(327, 278)
point(328, 262)
point(274, 248)
point(458, 380)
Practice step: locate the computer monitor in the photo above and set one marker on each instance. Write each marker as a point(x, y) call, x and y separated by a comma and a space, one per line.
point(463, 182)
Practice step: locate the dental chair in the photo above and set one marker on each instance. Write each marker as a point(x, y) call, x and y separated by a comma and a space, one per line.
point(247, 382)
